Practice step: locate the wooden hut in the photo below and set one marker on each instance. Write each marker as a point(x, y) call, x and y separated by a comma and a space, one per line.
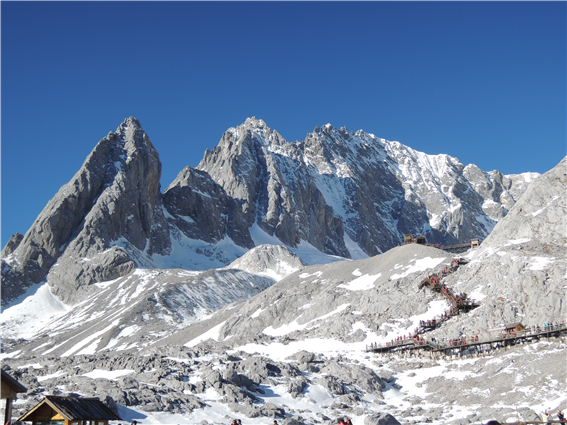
point(475, 243)
point(516, 327)
point(10, 387)
point(58, 410)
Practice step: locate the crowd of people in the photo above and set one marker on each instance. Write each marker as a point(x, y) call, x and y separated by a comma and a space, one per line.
point(548, 418)
point(470, 340)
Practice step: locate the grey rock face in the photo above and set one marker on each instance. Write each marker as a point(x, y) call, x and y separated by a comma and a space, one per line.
point(12, 244)
point(338, 182)
point(252, 166)
point(201, 209)
point(540, 215)
point(97, 224)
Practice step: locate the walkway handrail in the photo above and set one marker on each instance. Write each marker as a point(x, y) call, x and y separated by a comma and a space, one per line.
point(461, 342)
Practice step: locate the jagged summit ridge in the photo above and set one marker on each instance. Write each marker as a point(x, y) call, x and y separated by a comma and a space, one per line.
point(411, 192)
point(347, 194)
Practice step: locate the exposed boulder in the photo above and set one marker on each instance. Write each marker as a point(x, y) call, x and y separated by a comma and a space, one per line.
point(303, 357)
point(381, 419)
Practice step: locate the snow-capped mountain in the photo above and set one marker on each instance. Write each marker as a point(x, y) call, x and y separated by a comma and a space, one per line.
point(353, 194)
point(297, 349)
point(153, 320)
point(344, 194)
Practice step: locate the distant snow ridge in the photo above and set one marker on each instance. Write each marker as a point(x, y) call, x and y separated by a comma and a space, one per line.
point(269, 260)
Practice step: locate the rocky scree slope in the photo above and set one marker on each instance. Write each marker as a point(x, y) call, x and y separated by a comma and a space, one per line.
point(134, 311)
point(343, 193)
point(302, 337)
point(518, 275)
point(180, 380)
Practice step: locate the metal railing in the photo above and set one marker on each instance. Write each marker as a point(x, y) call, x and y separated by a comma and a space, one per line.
point(417, 342)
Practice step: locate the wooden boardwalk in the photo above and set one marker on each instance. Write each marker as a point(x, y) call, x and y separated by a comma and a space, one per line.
point(460, 303)
point(471, 344)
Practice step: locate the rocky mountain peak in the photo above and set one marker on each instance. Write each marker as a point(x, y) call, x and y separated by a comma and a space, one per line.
point(345, 193)
point(106, 216)
point(538, 218)
point(252, 131)
point(413, 192)
point(130, 122)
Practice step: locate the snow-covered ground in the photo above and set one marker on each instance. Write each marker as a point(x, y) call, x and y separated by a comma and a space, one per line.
point(412, 377)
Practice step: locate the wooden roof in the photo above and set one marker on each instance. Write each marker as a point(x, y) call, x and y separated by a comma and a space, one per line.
point(507, 327)
point(513, 325)
point(10, 382)
point(73, 408)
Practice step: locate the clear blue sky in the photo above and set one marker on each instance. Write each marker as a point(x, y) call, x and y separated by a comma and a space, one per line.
point(482, 81)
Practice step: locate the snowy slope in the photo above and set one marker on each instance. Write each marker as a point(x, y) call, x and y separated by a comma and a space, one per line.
point(141, 307)
point(297, 349)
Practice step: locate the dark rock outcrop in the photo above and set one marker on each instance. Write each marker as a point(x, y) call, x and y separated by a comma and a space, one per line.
point(202, 210)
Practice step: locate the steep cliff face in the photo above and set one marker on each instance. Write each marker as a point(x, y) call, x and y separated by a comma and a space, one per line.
point(258, 167)
point(346, 192)
point(96, 226)
point(201, 209)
